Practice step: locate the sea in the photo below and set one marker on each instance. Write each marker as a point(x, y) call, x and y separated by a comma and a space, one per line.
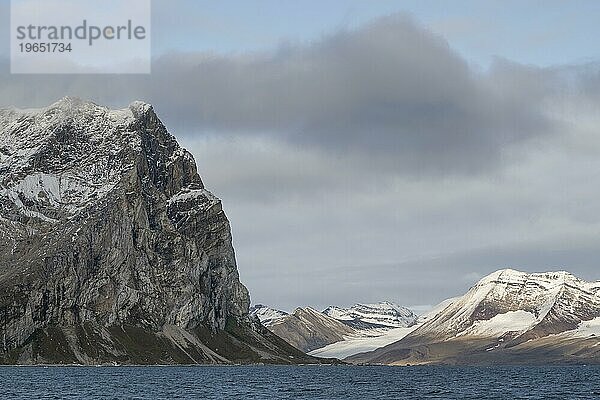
point(300, 382)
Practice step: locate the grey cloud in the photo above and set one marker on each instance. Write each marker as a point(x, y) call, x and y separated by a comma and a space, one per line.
point(335, 232)
point(390, 90)
point(586, 80)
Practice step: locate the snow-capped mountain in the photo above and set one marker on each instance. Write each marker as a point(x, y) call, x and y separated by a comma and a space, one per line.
point(267, 315)
point(372, 338)
point(508, 315)
point(514, 303)
point(372, 316)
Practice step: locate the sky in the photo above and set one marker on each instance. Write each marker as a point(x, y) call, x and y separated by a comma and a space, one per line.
point(369, 151)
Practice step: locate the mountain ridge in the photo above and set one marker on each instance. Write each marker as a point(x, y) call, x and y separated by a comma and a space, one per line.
point(384, 314)
point(316, 331)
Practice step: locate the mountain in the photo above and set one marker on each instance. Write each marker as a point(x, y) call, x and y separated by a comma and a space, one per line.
point(382, 324)
point(339, 332)
point(266, 315)
point(308, 329)
point(111, 248)
point(507, 317)
point(373, 316)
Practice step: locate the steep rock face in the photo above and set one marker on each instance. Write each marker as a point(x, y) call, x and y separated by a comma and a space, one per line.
point(105, 224)
point(508, 316)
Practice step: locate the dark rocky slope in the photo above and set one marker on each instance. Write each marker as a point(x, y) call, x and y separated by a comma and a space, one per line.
point(112, 250)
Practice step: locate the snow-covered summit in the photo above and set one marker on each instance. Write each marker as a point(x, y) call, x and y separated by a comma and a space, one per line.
point(73, 111)
point(518, 303)
point(267, 315)
point(512, 276)
point(138, 108)
point(57, 160)
point(26, 133)
point(378, 315)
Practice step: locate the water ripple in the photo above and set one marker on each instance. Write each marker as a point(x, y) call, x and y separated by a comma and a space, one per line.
point(300, 382)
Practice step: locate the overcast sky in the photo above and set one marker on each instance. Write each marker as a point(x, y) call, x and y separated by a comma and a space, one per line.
point(369, 151)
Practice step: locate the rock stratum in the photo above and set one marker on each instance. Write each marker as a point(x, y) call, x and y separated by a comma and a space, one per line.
point(111, 248)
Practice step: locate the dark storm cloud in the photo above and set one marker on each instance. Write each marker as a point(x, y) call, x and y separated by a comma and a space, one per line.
point(391, 92)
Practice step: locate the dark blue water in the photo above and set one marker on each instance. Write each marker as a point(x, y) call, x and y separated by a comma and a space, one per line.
point(304, 382)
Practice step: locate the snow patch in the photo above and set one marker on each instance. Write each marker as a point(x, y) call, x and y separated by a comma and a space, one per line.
point(267, 316)
point(512, 321)
point(587, 329)
point(64, 191)
point(361, 343)
point(188, 194)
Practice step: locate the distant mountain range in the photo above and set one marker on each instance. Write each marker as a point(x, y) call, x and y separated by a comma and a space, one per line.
point(308, 329)
point(508, 317)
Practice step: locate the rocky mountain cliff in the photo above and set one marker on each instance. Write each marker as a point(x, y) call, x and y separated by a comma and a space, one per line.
point(507, 317)
point(112, 249)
